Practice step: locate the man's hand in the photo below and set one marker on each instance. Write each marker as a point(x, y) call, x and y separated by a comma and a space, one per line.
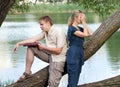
point(16, 48)
point(41, 47)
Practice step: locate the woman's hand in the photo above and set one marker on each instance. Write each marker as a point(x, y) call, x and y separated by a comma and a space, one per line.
point(83, 18)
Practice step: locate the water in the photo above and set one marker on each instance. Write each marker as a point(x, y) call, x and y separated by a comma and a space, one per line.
point(103, 64)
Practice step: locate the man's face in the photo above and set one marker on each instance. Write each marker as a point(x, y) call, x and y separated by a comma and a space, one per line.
point(43, 25)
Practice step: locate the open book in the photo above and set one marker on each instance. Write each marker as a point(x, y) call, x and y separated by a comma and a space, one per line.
point(35, 44)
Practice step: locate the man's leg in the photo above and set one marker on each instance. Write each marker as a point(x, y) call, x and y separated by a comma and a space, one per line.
point(55, 73)
point(31, 52)
point(29, 60)
point(34, 51)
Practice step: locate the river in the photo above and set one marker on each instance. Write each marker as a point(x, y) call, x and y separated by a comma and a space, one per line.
point(105, 63)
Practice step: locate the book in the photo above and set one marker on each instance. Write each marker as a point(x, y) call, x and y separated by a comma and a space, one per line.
point(35, 44)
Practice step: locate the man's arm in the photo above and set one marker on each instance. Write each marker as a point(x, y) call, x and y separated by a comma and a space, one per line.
point(60, 43)
point(52, 50)
point(30, 40)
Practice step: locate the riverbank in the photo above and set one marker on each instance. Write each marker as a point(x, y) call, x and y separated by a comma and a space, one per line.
point(50, 8)
point(3, 84)
point(47, 8)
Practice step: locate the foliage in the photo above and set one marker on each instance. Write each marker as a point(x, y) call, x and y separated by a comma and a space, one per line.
point(102, 7)
point(19, 7)
point(50, 8)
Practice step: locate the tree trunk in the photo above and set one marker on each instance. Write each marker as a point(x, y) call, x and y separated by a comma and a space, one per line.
point(106, 29)
point(35, 2)
point(102, 34)
point(111, 82)
point(4, 8)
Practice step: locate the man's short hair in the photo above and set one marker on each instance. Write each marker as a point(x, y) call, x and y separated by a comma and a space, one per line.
point(46, 19)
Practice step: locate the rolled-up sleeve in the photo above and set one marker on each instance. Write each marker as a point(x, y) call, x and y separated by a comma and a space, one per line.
point(42, 35)
point(61, 39)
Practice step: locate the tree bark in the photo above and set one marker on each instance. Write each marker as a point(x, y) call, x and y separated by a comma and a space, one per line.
point(111, 82)
point(101, 35)
point(4, 8)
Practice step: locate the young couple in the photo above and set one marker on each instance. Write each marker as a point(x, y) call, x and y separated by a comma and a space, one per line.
point(55, 50)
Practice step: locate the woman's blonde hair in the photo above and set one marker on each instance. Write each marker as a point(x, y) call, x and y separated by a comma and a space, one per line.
point(71, 18)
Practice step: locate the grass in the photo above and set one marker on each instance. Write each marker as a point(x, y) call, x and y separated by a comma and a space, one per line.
point(5, 83)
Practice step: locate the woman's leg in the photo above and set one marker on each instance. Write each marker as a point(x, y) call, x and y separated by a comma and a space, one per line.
point(73, 74)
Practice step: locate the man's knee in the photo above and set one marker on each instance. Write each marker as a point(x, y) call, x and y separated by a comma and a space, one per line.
point(53, 83)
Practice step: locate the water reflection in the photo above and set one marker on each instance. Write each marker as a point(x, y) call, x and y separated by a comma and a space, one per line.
point(5, 59)
point(113, 48)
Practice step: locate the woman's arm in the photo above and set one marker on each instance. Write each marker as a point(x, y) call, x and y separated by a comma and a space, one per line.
point(87, 31)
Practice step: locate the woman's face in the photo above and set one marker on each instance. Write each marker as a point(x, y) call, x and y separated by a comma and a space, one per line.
point(78, 19)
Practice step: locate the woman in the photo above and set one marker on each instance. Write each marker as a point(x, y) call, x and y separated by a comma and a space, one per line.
point(75, 53)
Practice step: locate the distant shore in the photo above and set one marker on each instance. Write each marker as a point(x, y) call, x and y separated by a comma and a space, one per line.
point(50, 8)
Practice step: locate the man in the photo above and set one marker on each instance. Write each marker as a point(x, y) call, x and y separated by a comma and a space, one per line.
point(53, 51)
